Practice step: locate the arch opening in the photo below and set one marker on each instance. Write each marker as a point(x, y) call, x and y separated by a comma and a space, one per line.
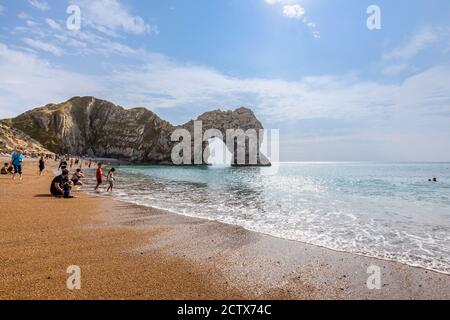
point(219, 155)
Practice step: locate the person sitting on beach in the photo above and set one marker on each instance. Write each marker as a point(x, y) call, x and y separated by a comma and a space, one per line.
point(57, 186)
point(41, 165)
point(99, 175)
point(16, 160)
point(5, 169)
point(68, 189)
point(77, 177)
point(111, 179)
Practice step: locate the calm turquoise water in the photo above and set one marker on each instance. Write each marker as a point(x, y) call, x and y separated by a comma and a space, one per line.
point(384, 210)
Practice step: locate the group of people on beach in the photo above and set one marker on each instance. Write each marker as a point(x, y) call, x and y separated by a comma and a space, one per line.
point(15, 166)
point(63, 183)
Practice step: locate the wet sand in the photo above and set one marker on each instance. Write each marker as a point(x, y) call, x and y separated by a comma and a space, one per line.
point(132, 252)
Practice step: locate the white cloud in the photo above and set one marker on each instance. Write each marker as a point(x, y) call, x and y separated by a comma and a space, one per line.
point(53, 24)
point(394, 69)
point(37, 44)
point(154, 80)
point(361, 100)
point(71, 42)
point(272, 2)
point(277, 2)
point(295, 11)
point(92, 44)
point(2, 9)
point(163, 83)
point(109, 16)
point(417, 43)
point(24, 16)
point(54, 38)
point(30, 81)
point(31, 23)
point(41, 5)
point(290, 8)
point(398, 60)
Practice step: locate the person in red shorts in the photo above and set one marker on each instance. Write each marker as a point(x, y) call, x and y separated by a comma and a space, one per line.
point(99, 175)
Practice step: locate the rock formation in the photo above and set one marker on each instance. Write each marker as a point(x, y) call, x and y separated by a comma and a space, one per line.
point(11, 139)
point(242, 118)
point(98, 128)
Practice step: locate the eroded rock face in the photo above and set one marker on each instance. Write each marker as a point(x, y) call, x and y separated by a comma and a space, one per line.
point(98, 128)
point(11, 139)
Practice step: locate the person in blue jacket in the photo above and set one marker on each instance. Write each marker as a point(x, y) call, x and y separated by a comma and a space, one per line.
point(16, 160)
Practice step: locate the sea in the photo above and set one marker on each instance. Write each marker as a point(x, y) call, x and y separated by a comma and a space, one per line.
point(385, 210)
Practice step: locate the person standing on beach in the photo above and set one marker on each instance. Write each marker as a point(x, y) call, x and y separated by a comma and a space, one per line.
point(41, 165)
point(16, 161)
point(99, 175)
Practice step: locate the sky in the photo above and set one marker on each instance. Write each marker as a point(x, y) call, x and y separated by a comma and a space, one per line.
point(336, 89)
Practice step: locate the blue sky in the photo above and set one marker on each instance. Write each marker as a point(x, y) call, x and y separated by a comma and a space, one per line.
point(311, 68)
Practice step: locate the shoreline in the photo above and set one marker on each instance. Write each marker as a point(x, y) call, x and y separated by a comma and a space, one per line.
point(270, 251)
point(207, 259)
point(263, 233)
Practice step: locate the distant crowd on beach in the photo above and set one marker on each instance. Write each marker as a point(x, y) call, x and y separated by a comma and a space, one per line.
point(70, 168)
